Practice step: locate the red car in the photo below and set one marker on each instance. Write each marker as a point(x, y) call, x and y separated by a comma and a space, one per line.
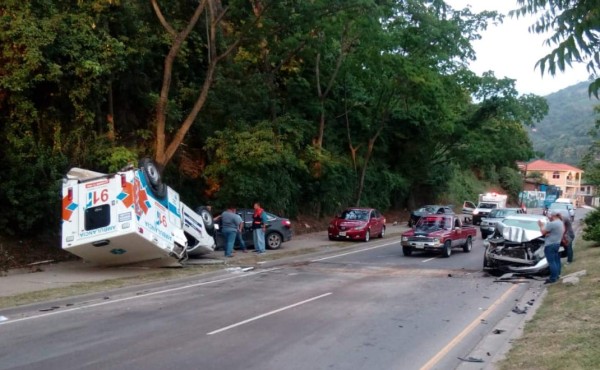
point(357, 224)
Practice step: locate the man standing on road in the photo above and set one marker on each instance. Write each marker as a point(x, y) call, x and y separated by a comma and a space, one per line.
point(259, 225)
point(553, 232)
point(230, 222)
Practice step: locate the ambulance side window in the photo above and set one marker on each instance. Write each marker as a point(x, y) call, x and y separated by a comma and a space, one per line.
point(97, 217)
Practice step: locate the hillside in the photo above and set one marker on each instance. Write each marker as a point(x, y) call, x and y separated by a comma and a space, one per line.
point(563, 134)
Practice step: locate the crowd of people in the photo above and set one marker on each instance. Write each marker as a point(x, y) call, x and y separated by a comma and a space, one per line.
point(558, 232)
point(232, 227)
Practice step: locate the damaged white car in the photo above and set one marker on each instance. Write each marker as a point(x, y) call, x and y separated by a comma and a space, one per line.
point(517, 246)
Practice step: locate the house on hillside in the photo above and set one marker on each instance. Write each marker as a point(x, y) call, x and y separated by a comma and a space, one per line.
point(589, 194)
point(562, 175)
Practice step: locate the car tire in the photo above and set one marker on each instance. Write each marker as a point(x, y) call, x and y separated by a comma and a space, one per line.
point(331, 237)
point(382, 233)
point(447, 252)
point(484, 235)
point(367, 235)
point(152, 174)
point(468, 245)
point(273, 240)
point(207, 218)
point(407, 251)
point(410, 223)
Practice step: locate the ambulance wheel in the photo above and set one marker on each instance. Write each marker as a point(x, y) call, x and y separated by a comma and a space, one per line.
point(207, 218)
point(152, 174)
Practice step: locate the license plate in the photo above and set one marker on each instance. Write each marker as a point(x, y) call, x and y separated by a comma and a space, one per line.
point(342, 233)
point(419, 245)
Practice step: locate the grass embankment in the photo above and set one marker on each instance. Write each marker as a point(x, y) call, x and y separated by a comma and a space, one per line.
point(565, 331)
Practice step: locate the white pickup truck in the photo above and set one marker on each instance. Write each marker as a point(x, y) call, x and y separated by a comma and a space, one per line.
point(130, 216)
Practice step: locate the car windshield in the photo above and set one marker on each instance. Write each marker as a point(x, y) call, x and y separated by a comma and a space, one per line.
point(427, 209)
point(487, 205)
point(355, 215)
point(429, 223)
point(525, 224)
point(559, 206)
point(501, 213)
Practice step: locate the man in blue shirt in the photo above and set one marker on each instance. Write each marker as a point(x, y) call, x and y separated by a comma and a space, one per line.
point(230, 223)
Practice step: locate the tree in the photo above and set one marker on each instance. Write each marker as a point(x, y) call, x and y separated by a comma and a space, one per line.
point(214, 23)
point(574, 26)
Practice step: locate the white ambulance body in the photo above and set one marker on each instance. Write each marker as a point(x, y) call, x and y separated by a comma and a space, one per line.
point(129, 217)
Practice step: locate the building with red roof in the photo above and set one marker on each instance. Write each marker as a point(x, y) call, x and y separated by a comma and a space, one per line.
point(565, 176)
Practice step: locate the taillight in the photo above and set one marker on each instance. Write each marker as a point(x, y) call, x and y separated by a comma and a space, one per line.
point(123, 181)
point(286, 223)
point(70, 194)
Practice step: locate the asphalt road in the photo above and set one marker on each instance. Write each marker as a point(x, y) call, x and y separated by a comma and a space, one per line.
point(367, 307)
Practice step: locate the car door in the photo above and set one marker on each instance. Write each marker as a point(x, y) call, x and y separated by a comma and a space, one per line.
point(246, 215)
point(376, 223)
point(468, 207)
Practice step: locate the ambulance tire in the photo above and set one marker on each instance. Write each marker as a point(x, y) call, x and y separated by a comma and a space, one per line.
point(152, 174)
point(207, 218)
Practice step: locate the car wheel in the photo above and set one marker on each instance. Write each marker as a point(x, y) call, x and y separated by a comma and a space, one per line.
point(484, 235)
point(152, 174)
point(447, 249)
point(331, 237)
point(407, 251)
point(382, 234)
point(207, 218)
point(273, 240)
point(368, 235)
point(468, 245)
point(410, 223)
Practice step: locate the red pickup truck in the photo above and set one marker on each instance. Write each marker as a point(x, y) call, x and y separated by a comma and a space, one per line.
point(438, 233)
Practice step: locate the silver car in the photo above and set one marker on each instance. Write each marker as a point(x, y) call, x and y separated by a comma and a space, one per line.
point(517, 246)
point(488, 224)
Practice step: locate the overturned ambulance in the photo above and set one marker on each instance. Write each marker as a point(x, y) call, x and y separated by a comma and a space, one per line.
point(130, 216)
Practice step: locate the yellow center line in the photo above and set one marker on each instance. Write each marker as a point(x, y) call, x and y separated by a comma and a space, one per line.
point(444, 351)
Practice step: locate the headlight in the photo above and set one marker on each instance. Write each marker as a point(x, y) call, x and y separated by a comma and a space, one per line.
point(475, 212)
point(436, 241)
point(404, 238)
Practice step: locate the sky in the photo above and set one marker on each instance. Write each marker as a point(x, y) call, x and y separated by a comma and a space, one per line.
point(511, 51)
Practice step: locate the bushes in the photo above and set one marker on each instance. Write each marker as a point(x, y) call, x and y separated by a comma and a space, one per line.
point(591, 230)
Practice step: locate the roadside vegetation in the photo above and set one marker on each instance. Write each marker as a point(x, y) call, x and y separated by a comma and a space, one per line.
point(306, 106)
point(564, 333)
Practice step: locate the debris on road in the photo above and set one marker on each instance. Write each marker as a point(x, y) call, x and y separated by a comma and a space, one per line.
point(470, 359)
point(519, 311)
point(498, 331)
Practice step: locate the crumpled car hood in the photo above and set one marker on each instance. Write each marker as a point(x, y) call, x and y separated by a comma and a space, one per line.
point(519, 234)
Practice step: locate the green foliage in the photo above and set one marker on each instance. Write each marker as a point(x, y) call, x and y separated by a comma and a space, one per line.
point(462, 185)
point(255, 165)
point(511, 181)
point(563, 135)
point(573, 26)
point(30, 189)
point(591, 229)
point(79, 83)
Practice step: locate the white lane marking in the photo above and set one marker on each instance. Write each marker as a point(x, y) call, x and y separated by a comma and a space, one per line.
point(358, 251)
point(268, 314)
point(429, 259)
point(444, 351)
point(138, 296)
